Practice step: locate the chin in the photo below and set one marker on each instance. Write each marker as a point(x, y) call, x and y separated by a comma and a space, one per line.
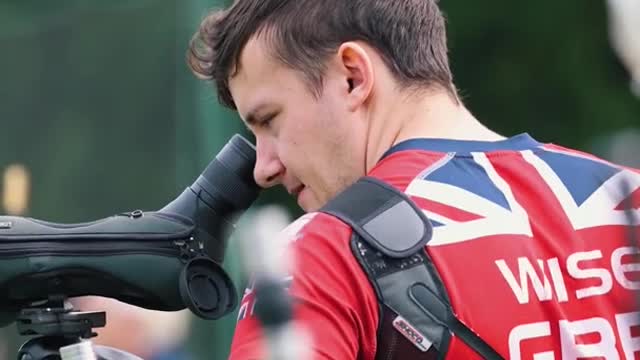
point(311, 206)
point(309, 209)
point(311, 202)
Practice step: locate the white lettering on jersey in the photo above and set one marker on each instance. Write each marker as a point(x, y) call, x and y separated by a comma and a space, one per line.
point(571, 348)
point(606, 282)
point(620, 269)
point(542, 285)
point(524, 332)
point(611, 334)
point(526, 273)
point(630, 345)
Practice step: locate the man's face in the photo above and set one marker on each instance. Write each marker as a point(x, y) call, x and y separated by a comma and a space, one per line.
point(314, 147)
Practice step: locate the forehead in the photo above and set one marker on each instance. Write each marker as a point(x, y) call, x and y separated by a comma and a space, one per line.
point(259, 76)
point(255, 61)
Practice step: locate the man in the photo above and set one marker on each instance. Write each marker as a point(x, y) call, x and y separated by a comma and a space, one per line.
point(530, 239)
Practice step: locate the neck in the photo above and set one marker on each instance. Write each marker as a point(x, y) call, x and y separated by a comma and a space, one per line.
point(434, 115)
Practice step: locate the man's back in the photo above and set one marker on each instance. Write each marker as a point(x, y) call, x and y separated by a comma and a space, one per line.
point(533, 247)
point(530, 240)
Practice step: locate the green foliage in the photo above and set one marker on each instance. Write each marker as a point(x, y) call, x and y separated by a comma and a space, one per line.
point(545, 67)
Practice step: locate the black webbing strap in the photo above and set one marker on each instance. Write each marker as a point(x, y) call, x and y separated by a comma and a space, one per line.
point(390, 233)
point(384, 217)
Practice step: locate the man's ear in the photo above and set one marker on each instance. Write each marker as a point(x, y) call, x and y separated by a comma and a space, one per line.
point(358, 73)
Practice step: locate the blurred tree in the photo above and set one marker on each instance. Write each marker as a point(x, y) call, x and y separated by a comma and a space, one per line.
point(87, 105)
point(545, 67)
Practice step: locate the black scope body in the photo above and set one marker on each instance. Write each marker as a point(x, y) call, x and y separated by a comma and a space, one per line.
point(166, 260)
point(224, 190)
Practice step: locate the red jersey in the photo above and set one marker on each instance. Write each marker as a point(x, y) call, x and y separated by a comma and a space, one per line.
point(532, 242)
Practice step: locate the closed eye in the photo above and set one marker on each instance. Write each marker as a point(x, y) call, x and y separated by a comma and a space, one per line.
point(267, 121)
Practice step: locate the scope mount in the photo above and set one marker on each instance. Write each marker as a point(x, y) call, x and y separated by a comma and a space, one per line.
point(55, 324)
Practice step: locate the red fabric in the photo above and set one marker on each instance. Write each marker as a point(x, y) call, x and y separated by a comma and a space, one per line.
point(334, 299)
point(568, 258)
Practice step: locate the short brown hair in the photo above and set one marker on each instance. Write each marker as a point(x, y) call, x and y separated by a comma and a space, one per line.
point(409, 35)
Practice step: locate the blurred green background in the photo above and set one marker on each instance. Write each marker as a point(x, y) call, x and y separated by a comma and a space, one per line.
point(97, 103)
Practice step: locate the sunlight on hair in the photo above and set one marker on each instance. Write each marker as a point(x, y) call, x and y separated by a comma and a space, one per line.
point(16, 189)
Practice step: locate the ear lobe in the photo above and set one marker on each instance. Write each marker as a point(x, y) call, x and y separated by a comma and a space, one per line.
point(358, 70)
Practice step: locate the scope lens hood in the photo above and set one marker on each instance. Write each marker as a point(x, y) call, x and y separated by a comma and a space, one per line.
point(206, 289)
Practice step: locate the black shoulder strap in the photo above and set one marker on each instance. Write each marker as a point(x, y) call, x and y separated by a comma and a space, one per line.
point(390, 233)
point(375, 209)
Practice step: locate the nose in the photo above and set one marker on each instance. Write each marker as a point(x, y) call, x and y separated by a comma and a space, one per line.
point(268, 169)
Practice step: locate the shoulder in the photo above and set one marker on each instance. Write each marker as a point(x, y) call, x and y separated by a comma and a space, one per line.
point(319, 241)
point(334, 296)
point(315, 224)
point(318, 231)
point(334, 300)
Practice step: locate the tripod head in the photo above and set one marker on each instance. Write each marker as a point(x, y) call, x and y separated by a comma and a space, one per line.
point(57, 328)
point(55, 317)
point(55, 325)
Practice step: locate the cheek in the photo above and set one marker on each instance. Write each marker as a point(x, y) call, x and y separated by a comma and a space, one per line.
point(312, 135)
point(290, 145)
